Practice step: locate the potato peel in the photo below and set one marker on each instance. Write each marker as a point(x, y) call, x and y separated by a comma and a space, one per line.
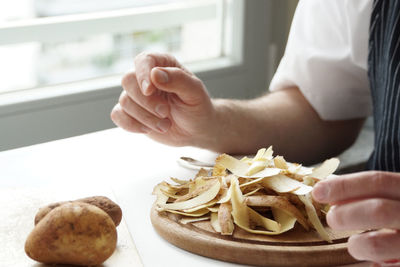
point(254, 181)
point(262, 195)
point(242, 214)
point(213, 209)
point(191, 220)
point(215, 222)
point(283, 184)
point(179, 181)
point(313, 217)
point(206, 205)
point(196, 201)
point(252, 192)
point(161, 197)
point(197, 213)
point(278, 202)
point(225, 219)
point(327, 168)
point(197, 188)
point(280, 163)
point(241, 168)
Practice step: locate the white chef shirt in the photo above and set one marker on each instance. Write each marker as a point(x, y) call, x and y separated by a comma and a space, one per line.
point(326, 57)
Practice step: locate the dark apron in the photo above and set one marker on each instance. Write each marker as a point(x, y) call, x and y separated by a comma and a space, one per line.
point(384, 76)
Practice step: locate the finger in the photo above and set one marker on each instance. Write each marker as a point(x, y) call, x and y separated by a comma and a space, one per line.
point(366, 214)
point(145, 62)
point(123, 120)
point(143, 116)
point(377, 246)
point(186, 86)
point(155, 103)
point(371, 184)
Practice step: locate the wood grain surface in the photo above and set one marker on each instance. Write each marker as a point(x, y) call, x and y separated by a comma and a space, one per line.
point(294, 248)
point(18, 207)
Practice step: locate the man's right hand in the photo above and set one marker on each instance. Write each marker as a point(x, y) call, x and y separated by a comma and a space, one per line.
point(171, 105)
point(165, 101)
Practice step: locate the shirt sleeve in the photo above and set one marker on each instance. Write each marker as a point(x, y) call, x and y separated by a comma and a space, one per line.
point(326, 57)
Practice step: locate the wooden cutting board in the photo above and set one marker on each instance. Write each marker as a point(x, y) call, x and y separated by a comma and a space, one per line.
point(294, 248)
point(18, 207)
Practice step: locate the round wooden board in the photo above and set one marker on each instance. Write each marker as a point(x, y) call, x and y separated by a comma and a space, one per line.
point(294, 248)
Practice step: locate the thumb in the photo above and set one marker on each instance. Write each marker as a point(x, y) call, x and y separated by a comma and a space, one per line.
point(186, 86)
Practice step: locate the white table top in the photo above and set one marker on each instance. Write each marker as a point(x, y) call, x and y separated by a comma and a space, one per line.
point(131, 165)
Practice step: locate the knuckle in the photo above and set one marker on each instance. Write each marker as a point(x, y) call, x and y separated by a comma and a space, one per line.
point(128, 79)
point(197, 81)
point(124, 100)
point(177, 73)
point(148, 118)
point(145, 56)
point(149, 57)
point(354, 244)
point(132, 126)
point(341, 187)
point(378, 180)
point(335, 218)
point(379, 210)
point(148, 104)
point(170, 58)
point(140, 56)
point(374, 173)
point(373, 245)
point(121, 96)
point(338, 188)
point(114, 115)
point(180, 74)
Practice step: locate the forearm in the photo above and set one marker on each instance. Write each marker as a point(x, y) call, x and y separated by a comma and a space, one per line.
point(285, 120)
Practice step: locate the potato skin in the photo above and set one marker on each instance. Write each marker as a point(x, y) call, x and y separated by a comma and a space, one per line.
point(73, 233)
point(104, 203)
point(45, 210)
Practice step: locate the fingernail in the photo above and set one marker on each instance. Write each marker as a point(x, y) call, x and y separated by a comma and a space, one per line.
point(321, 192)
point(164, 125)
point(161, 76)
point(145, 85)
point(162, 110)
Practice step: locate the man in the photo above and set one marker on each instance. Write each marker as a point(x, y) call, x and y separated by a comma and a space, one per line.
point(339, 53)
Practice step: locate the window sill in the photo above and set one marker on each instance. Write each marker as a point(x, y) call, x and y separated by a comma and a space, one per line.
point(56, 112)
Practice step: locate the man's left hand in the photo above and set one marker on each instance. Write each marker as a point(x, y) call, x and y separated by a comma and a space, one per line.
point(365, 201)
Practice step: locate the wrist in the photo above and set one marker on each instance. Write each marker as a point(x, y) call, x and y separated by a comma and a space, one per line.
point(217, 135)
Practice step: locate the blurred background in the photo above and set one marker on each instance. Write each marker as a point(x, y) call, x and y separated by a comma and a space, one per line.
point(87, 57)
point(62, 60)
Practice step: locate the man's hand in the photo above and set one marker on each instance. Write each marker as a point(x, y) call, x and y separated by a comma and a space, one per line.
point(366, 201)
point(172, 106)
point(165, 101)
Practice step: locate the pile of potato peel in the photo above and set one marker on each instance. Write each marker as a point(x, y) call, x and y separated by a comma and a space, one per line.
point(262, 195)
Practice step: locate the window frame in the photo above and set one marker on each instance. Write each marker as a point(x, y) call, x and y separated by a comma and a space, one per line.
point(64, 28)
point(61, 111)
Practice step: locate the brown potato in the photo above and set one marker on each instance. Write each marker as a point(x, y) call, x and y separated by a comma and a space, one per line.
point(104, 203)
point(73, 233)
point(45, 210)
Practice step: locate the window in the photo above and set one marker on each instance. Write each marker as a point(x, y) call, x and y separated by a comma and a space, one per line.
point(62, 60)
point(57, 41)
